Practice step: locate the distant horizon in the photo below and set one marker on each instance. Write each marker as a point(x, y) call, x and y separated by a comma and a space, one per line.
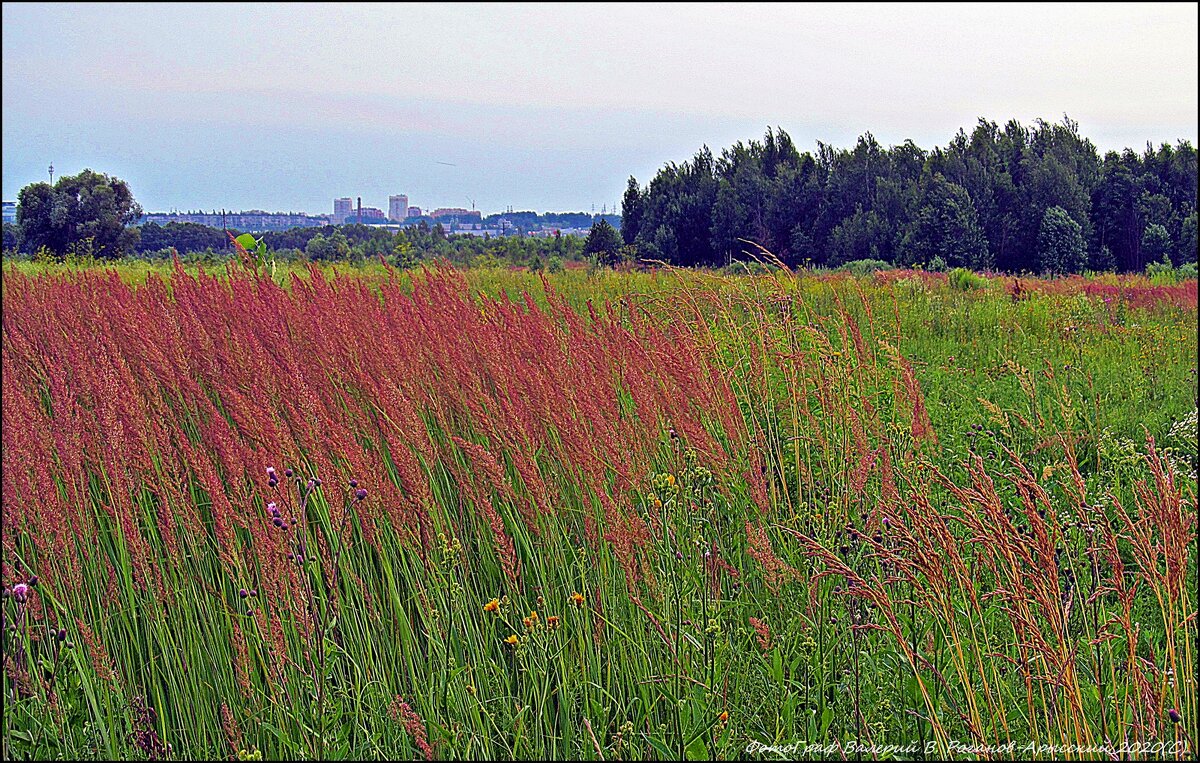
point(371, 202)
point(545, 107)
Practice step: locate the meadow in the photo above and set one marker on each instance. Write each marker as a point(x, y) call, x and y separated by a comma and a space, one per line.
point(359, 513)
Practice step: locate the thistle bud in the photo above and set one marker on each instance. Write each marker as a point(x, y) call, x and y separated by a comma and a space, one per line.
point(288, 473)
point(353, 483)
point(360, 494)
point(243, 593)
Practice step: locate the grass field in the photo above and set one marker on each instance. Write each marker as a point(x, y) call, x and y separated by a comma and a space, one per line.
point(596, 515)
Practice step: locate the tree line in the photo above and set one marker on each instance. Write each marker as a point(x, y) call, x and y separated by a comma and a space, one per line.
point(1011, 198)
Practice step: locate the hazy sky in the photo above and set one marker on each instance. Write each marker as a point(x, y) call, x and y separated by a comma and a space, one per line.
point(546, 107)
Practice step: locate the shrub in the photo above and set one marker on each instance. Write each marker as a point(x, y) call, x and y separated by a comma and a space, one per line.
point(865, 267)
point(964, 280)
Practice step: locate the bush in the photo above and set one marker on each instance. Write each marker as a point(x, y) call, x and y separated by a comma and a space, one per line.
point(964, 280)
point(865, 267)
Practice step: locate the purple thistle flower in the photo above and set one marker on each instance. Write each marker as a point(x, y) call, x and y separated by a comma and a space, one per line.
point(243, 593)
point(353, 483)
point(288, 473)
point(1174, 715)
point(20, 592)
point(360, 494)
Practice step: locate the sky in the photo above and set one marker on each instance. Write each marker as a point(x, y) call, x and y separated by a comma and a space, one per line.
point(547, 107)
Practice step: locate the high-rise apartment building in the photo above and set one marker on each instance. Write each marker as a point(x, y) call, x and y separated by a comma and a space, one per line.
point(342, 209)
point(397, 207)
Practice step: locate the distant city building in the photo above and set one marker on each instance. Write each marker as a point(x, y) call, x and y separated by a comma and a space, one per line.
point(342, 208)
point(414, 211)
point(10, 211)
point(252, 221)
point(369, 215)
point(397, 207)
point(457, 212)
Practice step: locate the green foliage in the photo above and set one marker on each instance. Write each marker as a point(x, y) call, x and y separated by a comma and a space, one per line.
point(85, 213)
point(603, 244)
point(978, 203)
point(1156, 244)
point(965, 280)
point(864, 267)
point(326, 248)
point(1060, 243)
point(947, 227)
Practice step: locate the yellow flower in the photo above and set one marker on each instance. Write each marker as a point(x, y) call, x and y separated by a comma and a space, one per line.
point(512, 640)
point(492, 606)
point(552, 622)
point(723, 717)
point(577, 599)
point(671, 480)
point(533, 615)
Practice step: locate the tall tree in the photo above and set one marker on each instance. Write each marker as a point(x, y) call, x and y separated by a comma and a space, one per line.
point(947, 227)
point(1060, 243)
point(88, 213)
point(631, 211)
point(603, 243)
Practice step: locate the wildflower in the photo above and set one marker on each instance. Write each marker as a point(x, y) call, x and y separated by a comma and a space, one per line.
point(33, 580)
point(533, 615)
point(1174, 715)
point(492, 606)
point(531, 621)
point(512, 640)
point(289, 473)
point(577, 599)
point(353, 483)
point(243, 593)
point(723, 718)
point(671, 480)
point(360, 494)
point(552, 622)
point(20, 592)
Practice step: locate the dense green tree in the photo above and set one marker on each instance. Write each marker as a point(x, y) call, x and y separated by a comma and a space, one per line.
point(631, 211)
point(332, 247)
point(946, 227)
point(88, 214)
point(1186, 252)
point(1156, 244)
point(861, 236)
point(603, 243)
point(1060, 243)
point(12, 237)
